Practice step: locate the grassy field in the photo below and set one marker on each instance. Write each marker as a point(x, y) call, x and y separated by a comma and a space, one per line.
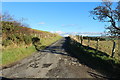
point(104, 46)
point(13, 53)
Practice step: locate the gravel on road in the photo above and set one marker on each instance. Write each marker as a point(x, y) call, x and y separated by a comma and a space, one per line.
point(52, 62)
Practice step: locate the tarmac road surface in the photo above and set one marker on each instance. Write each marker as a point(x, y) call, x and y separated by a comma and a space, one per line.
point(52, 62)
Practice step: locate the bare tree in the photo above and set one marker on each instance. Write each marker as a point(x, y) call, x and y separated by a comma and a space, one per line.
point(107, 13)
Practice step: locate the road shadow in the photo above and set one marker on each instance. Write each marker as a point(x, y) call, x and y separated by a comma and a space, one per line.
point(87, 56)
point(55, 49)
point(99, 61)
point(4, 78)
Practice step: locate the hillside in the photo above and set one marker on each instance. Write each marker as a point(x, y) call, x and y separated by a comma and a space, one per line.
point(19, 41)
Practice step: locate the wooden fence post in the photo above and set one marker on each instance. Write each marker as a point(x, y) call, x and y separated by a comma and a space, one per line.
point(88, 41)
point(97, 45)
point(113, 49)
point(81, 39)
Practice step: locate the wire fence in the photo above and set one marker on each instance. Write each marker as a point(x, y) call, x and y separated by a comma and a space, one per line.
point(111, 46)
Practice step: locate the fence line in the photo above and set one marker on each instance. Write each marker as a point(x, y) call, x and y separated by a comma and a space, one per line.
point(98, 42)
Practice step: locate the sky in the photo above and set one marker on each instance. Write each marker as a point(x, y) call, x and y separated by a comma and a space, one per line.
point(59, 17)
point(54, 0)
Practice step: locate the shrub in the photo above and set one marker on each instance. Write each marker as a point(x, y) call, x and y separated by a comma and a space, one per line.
point(12, 37)
point(6, 42)
point(27, 39)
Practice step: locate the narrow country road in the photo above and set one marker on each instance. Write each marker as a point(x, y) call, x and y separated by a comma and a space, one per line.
point(52, 62)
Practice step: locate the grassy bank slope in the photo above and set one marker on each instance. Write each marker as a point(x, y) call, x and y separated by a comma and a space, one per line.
point(17, 41)
point(11, 55)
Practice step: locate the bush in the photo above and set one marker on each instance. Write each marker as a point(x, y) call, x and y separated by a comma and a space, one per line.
point(6, 42)
point(12, 37)
point(27, 39)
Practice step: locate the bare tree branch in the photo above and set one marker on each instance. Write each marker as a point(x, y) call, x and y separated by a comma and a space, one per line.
point(105, 13)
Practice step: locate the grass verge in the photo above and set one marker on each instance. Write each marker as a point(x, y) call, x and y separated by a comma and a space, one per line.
point(15, 54)
point(11, 55)
point(96, 60)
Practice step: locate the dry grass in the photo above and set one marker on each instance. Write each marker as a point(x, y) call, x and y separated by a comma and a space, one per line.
point(104, 46)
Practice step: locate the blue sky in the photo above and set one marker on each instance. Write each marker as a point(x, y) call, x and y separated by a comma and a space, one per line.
point(56, 16)
point(55, 0)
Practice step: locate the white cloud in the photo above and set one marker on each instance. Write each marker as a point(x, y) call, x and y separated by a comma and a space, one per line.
point(41, 23)
point(66, 35)
point(78, 33)
point(58, 32)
